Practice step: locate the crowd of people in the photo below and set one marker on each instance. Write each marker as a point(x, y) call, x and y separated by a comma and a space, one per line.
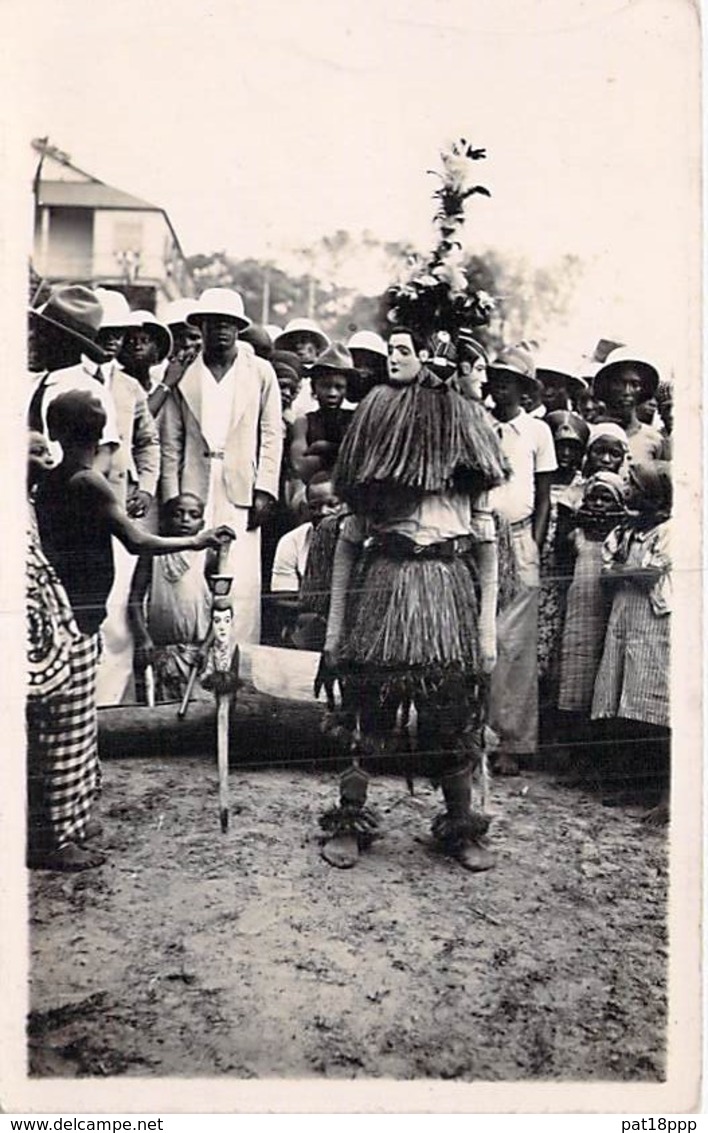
point(476, 545)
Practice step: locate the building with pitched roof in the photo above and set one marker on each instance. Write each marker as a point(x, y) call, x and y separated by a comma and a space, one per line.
point(89, 232)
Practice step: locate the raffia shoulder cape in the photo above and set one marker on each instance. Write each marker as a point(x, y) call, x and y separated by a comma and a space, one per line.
point(407, 441)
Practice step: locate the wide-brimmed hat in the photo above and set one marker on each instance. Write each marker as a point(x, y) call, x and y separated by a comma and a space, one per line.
point(77, 312)
point(368, 340)
point(177, 311)
point(552, 366)
point(158, 330)
point(567, 426)
point(117, 314)
point(620, 359)
point(301, 326)
point(335, 359)
point(220, 301)
point(517, 361)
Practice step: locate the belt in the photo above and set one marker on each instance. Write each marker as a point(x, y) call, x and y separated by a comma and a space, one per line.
point(399, 546)
point(520, 524)
point(215, 454)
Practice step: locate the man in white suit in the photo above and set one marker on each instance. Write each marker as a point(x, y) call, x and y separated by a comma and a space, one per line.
point(222, 439)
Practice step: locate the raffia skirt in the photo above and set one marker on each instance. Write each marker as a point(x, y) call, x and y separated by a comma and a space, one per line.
point(411, 621)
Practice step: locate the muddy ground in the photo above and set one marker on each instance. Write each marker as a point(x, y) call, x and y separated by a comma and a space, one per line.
point(192, 953)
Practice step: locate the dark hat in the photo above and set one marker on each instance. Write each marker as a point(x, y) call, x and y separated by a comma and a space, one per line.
point(283, 370)
point(624, 358)
point(336, 358)
point(257, 336)
point(286, 358)
point(466, 342)
point(568, 426)
point(76, 312)
point(518, 361)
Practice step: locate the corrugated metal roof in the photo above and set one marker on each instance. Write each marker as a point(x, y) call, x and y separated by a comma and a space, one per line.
point(81, 194)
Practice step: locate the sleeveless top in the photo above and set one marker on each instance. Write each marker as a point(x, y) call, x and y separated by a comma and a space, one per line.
point(76, 542)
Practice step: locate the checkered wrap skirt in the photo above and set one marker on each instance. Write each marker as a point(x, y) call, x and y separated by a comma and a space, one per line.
point(63, 752)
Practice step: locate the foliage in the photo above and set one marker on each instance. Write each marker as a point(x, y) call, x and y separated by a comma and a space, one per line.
point(528, 300)
point(435, 295)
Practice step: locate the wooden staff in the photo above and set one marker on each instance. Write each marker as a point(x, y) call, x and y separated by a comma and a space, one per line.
point(224, 659)
point(222, 756)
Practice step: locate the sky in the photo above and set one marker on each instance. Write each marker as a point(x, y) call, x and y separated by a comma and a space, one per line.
point(261, 125)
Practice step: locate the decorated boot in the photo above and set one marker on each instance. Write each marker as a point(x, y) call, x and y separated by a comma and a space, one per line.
point(350, 826)
point(459, 831)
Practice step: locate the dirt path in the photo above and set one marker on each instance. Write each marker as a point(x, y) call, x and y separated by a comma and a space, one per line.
point(196, 954)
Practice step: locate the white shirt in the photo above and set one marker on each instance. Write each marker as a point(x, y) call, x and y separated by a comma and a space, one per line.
point(156, 374)
point(438, 517)
point(527, 443)
point(82, 376)
point(217, 404)
point(291, 558)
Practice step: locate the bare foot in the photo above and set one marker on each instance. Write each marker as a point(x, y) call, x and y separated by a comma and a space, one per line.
point(506, 765)
point(68, 859)
point(341, 851)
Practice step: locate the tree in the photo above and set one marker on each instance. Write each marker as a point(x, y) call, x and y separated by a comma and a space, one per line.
point(341, 280)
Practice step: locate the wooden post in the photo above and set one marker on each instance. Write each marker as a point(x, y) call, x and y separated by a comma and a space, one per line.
point(222, 756)
point(221, 675)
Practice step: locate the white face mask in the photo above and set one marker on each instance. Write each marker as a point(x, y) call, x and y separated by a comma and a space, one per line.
point(404, 365)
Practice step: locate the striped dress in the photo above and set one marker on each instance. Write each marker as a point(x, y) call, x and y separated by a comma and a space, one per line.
point(633, 678)
point(587, 610)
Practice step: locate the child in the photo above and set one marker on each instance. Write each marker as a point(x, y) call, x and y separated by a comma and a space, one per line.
point(607, 450)
point(78, 515)
point(287, 511)
point(587, 607)
point(178, 603)
point(570, 435)
point(318, 435)
point(291, 564)
point(633, 678)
